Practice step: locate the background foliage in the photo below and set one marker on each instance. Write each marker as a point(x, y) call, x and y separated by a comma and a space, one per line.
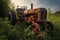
point(5, 7)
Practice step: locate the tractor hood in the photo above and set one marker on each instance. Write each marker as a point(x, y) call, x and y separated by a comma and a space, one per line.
point(32, 11)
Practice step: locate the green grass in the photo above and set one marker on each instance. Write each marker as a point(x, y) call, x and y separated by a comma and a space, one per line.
point(55, 19)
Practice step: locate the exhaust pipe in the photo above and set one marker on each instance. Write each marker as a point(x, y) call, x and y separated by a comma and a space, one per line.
point(31, 5)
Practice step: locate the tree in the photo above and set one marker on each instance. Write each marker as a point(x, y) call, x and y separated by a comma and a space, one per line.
point(5, 7)
point(57, 12)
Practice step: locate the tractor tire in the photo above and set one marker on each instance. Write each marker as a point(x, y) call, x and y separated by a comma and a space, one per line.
point(47, 30)
point(12, 18)
point(49, 26)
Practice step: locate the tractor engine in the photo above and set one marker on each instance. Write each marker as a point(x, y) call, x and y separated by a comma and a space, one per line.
point(37, 18)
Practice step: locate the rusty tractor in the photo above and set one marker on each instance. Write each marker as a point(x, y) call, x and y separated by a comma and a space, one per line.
point(36, 17)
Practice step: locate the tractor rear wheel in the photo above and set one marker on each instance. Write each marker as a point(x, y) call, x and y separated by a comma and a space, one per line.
point(49, 26)
point(12, 18)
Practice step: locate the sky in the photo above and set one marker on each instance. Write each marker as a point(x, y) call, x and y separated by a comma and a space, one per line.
point(54, 5)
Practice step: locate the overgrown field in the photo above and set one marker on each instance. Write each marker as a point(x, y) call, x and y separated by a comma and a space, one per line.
point(17, 32)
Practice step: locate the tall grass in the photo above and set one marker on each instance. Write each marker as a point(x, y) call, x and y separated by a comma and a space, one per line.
point(17, 32)
point(55, 19)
